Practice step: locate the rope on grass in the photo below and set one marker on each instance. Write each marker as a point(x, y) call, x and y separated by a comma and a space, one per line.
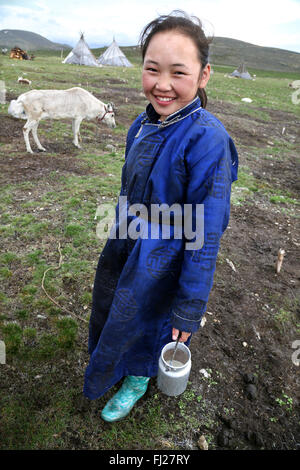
point(49, 297)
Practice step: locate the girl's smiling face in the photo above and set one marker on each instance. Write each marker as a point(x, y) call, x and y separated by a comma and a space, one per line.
point(172, 72)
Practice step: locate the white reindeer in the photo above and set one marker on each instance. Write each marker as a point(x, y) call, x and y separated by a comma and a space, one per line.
point(75, 103)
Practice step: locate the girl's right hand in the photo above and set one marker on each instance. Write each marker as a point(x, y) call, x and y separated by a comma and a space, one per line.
point(184, 335)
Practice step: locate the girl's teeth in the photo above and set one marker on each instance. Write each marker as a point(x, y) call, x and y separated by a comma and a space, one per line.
point(164, 99)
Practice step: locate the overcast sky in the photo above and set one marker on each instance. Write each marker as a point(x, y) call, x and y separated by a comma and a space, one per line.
point(273, 23)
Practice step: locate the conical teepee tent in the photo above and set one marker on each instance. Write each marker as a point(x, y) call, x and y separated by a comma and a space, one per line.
point(81, 55)
point(241, 72)
point(114, 56)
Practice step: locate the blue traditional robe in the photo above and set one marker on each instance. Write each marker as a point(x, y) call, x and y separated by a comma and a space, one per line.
point(145, 286)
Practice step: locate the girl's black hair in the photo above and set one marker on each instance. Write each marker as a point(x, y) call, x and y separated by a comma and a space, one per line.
point(190, 26)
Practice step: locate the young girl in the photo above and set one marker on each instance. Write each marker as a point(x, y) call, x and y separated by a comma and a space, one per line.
point(147, 291)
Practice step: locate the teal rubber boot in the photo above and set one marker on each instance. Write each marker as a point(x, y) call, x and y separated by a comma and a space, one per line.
point(123, 401)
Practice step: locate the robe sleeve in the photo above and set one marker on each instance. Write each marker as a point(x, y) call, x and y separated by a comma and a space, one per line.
point(219, 161)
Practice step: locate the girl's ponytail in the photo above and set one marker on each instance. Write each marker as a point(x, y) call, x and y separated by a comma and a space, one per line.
point(203, 97)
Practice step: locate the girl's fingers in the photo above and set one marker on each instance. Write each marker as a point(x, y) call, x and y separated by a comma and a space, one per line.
point(175, 334)
point(184, 335)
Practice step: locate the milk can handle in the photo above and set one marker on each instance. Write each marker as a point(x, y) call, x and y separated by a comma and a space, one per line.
point(177, 341)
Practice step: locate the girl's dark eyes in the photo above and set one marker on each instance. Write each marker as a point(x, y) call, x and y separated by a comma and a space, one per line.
point(151, 69)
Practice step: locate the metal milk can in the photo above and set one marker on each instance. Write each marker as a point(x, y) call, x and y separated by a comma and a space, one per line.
point(173, 373)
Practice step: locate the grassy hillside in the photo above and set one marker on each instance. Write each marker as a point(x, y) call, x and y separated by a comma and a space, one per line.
point(232, 52)
point(26, 40)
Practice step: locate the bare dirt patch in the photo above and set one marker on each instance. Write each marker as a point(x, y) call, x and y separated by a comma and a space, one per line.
point(15, 168)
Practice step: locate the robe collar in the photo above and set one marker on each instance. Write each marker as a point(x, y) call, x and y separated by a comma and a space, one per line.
point(153, 116)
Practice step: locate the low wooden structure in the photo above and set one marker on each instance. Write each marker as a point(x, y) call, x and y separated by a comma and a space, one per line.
point(18, 53)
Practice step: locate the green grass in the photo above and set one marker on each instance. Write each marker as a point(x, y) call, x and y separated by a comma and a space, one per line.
point(8, 257)
point(248, 185)
point(12, 334)
point(24, 425)
point(285, 402)
point(284, 319)
point(136, 433)
point(3, 299)
point(5, 273)
point(47, 346)
point(268, 90)
point(283, 199)
point(260, 73)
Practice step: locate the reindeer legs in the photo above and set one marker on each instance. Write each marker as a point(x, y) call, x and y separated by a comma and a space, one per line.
point(26, 129)
point(31, 126)
point(35, 136)
point(75, 126)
